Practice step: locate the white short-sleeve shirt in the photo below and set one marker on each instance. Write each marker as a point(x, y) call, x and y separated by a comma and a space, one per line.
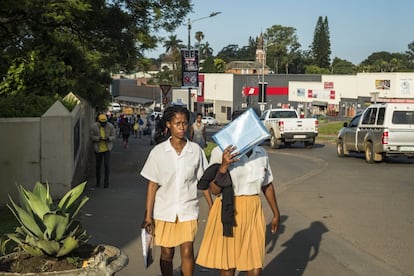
point(177, 177)
point(249, 174)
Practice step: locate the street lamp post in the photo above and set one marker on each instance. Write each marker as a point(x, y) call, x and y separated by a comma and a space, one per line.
point(189, 23)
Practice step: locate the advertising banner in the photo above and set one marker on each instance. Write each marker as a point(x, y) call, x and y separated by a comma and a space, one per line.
point(189, 67)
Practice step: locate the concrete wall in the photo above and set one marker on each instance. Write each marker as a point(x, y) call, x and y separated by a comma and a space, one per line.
point(19, 155)
point(52, 148)
point(218, 89)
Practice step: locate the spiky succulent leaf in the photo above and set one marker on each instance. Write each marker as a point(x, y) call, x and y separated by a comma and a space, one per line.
point(38, 207)
point(70, 197)
point(49, 247)
point(42, 191)
point(69, 244)
point(4, 240)
point(73, 210)
point(13, 237)
point(26, 219)
point(32, 250)
point(56, 225)
point(22, 198)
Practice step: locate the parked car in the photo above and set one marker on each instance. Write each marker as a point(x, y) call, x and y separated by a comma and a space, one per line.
point(115, 107)
point(208, 120)
point(380, 130)
point(156, 114)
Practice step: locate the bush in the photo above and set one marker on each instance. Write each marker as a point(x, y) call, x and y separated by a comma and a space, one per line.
point(29, 105)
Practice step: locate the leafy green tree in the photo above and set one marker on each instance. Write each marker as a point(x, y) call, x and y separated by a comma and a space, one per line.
point(281, 46)
point(341, 66)
point(220, 65)
point(385, 62)
point(321, 45)
point(208, 65)
point(248, 52)
point(82, 40)
point(313, 69)
point(410, 56)
point(229, 53)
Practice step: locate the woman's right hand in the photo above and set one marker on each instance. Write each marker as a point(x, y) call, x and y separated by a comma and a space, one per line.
point(148, 225)
point(229, 156)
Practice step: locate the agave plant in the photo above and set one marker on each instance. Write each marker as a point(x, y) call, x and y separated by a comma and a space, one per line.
point(47, 228)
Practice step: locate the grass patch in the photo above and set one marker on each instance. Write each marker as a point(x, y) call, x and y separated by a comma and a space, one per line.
point(330, 128)
point(209, 148)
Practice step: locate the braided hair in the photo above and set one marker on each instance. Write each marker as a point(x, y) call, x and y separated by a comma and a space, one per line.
point(171, 111)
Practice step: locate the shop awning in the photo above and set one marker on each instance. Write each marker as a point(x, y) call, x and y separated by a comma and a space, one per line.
point(319, 103)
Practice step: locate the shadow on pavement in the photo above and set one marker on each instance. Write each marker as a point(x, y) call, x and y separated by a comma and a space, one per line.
point(298, 251)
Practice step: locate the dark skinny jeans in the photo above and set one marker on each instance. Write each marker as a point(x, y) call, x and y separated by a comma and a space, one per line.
point(106, 158)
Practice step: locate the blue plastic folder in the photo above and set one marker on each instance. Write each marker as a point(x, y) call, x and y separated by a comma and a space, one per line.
point(245, 132)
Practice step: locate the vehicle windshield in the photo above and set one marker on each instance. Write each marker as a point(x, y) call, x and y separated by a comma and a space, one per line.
point(283, 114)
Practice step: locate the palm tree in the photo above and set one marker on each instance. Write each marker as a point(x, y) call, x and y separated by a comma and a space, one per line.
point(172, 47)
point(172, 44)
point(206, 50)
point(199, 36)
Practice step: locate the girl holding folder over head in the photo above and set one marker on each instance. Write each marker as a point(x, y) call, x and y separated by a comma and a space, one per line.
point(234, 238)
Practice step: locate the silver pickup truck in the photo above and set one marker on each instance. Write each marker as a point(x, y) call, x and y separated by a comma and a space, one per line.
point(380, 130)
point(286, 127)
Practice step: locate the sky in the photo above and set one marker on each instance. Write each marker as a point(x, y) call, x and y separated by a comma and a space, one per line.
point(357, 28)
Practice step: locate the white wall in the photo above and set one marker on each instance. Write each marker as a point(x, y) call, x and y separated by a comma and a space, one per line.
point(19, 155)
point(345, 86)
point(401, 84)
point(218, 87)
point(57, 164)
point(354, 86)
point(42, 149)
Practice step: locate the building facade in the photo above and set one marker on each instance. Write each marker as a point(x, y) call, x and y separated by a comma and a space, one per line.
point(312, 95)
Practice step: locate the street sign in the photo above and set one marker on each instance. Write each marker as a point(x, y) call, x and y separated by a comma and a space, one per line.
point(165, 88)
point(189, 67)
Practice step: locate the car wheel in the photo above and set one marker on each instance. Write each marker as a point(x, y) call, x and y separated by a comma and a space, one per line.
point(340, 148)
point(369, 153)
point(309, 144)
point(274, 142)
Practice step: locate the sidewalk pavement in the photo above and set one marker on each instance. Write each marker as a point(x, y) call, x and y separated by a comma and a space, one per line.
point(113, 216)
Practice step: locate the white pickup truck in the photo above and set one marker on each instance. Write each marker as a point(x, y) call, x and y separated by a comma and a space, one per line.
point(286, 127)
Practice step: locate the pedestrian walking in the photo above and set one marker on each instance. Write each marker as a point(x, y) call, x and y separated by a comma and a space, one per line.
point(140, 126)
point(198, 132)
point(173, 168)
point(126, 130)
point(102, 134)
point(234, 238)
point(152, 124)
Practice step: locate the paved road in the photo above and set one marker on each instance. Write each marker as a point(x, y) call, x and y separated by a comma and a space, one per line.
point(303, 246)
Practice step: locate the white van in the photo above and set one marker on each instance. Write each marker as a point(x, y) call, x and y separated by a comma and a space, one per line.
point(115, 107)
